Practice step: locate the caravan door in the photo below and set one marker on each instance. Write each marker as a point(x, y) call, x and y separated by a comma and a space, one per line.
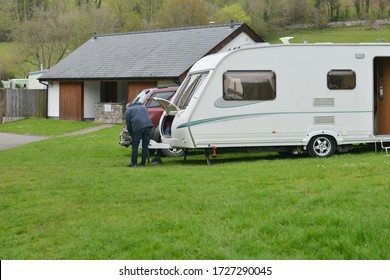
point(382, 89)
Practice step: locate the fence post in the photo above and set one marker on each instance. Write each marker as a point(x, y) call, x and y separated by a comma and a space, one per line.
point(2, 105)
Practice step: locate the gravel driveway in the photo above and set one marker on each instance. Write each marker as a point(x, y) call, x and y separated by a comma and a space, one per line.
point(11, 140)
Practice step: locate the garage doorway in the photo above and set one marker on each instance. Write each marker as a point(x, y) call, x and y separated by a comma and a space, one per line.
point(72, 101)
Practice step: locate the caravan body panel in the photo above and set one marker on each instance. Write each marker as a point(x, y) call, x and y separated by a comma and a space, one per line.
point(305, 90)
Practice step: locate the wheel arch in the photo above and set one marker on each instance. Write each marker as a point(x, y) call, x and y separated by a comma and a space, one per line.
point(326, 132)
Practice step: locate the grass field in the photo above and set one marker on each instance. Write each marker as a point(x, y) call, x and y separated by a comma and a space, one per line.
point(335, 35)
point(45, 127)
point(74, 198)
point(10, 60)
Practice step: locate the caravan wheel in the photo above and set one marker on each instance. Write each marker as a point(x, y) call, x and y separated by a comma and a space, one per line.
point(172, 152)
point(321, 146)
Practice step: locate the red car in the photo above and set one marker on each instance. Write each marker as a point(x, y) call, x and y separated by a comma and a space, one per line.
point(155, 111)
point(154, 108)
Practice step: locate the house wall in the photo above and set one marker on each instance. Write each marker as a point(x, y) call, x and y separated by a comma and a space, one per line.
point(53, 110)
point(241, 39)
point(91, 97)
point(33, 82)
point(18, 83)
point(135, 87)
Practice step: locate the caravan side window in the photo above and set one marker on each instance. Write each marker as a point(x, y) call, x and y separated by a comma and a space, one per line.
point(249, 85)
point(341, 79)
point(191, 84)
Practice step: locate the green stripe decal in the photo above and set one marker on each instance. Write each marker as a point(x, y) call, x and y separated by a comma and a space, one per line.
point(217, 119)
point(225, 118)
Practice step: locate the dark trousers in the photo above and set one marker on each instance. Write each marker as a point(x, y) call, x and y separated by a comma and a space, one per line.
point(143, 134)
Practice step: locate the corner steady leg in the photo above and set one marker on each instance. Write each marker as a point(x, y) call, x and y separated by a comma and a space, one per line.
point(207, 155)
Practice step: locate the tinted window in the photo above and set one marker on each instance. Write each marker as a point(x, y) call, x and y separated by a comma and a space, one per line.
point(141, 96)
point(249, 85)
point(165, 95)
point(341, 79)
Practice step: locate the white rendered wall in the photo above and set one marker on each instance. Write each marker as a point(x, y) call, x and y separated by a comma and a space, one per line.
point(241, 39)
point(91, 97)
point(53, 105)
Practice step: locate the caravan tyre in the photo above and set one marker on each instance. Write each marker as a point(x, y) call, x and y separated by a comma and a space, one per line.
point(173, 152)
point(322, 146)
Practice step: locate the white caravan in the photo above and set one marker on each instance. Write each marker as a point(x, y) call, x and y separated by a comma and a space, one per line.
point(290, 97)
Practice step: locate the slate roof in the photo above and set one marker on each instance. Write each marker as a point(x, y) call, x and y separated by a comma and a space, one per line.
point(141, 55)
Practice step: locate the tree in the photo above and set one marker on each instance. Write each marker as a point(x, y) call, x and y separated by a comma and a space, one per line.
point(127, 14)
point(6, 20)
point(357, 4)
point(182, 13)
point(297, 10)
point(7, 68)
point(25, 9)
point(95, 3)
point(50, 35)
point(381, 8)
point(320, 16)
point(274, 13)
point(232, 13)
point(334, 9)
point(133, 15)
point(367, 6)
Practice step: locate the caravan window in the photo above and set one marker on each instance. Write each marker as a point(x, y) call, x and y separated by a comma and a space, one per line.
point(249, 85)
point(341, 79)
point(190, 85)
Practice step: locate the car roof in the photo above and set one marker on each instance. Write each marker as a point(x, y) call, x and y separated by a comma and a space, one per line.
point(161, 89)
point(150, 91)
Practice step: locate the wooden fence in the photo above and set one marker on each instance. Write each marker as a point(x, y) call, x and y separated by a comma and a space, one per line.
point(15, 103)
point(2, 105)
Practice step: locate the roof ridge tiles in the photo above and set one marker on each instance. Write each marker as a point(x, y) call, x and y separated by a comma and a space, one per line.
point(234, 24)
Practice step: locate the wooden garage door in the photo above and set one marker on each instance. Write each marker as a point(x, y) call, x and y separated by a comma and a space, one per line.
point(135, 87)
point(72, 101)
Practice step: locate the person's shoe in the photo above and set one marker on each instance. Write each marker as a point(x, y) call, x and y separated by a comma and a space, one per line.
point(141, 164)
point(132, 165)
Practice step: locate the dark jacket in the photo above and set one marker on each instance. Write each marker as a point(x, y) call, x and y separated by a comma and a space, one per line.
point(137, 117)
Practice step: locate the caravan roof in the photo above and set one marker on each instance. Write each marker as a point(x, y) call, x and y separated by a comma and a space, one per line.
point(211, 61)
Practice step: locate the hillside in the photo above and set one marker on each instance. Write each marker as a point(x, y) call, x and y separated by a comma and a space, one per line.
point(362, 34)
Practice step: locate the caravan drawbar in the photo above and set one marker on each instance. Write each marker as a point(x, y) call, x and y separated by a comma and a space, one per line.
point(292, 97)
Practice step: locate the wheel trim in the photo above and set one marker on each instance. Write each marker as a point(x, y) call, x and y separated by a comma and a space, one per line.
point(322, 146)
point(175, 150)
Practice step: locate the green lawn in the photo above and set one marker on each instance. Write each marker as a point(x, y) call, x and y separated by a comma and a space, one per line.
point(45, 127)
point(74, 198)
point(335, 35)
